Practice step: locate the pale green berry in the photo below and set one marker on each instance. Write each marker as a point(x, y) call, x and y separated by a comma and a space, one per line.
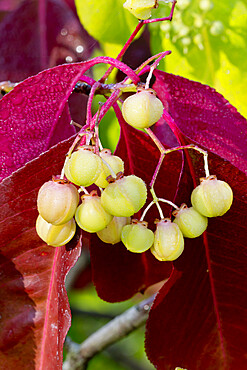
point(112, 232)
point(116, 164)
point(57, 201)
point(212, 197)
point(90, 215)
point(55, 235)
point(168, 241)
point(141, 9)
point(191, 223)
point(83, 167)
point(125, 196)
point(137, 237)
point(142, 109)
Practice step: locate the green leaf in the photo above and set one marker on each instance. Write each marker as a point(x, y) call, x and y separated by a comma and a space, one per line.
point(208, 43)
point(106, 20)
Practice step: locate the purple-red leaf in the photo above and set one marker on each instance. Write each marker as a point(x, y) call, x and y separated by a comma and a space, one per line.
point(200, 321)
point(204, 116)
point(38, 35)
point(35, 314)
point(30, 113)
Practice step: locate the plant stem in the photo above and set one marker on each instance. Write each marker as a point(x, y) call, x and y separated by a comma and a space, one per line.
point(156, 201)
point(146, 210)
point(168, 202)
point(154, 65)
point(122, 52)
point(83, 189)
point(169, 18)
point(79, 355)
point(109, 168)
point(192, 146)
point(90, 101)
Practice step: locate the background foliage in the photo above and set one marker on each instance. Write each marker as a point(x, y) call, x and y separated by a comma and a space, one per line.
point(207, 38)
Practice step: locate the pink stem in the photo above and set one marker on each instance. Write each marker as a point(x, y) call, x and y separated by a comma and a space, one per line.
point(127, 44)
point(144, 67)
point(171, 123)
point(157, 169)
point(88, 80)
point(169, 18)
point(115, 63)
point(95, 86)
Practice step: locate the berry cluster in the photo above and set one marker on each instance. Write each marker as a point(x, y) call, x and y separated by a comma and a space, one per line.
point(109, 214)
point(58, 199)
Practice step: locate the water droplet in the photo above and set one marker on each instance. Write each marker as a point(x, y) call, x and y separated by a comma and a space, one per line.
point(69, 59)
point(64, 32)
point(79, 49)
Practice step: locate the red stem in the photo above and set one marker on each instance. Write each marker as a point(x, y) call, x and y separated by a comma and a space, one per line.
point(127, 44)
point(95, 86)
point(169, 18)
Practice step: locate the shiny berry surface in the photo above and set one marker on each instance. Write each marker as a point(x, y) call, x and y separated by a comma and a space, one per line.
point(54, 235)
point(90, 215)
point(142, 109)
point(168, 241)
point(137, 237)
point(57, 201)
point(116, 164)
point(191, 223)
point(125, 196)
point(83, 167)
point(112, 232)
point(212, 197)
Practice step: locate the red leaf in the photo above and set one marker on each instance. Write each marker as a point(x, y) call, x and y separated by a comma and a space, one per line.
point(35, 314)
point(30, 112)
point(200, 321)
point(34, 116)
point(48, 33)
point(204, 116)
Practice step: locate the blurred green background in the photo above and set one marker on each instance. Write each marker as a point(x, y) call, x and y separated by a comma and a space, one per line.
point(207, 38)
point(208, 43)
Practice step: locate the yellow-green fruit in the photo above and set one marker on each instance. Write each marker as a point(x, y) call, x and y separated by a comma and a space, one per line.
point(83, 167)
point(137, 237)
point(142, 109)
point(112, 232)
point(212, 197)
point(141, 9)
point(191, 223)
point(125, 196)
point(116, 164)
point(54, 235)
point(90, 215)
point(57, 201)
point(168, 241)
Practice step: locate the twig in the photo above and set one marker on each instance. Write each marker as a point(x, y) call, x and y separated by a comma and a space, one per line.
point(79, 355)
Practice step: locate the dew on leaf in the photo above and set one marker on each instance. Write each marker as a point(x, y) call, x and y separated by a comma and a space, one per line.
point(64, 32)
point(79, 49)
